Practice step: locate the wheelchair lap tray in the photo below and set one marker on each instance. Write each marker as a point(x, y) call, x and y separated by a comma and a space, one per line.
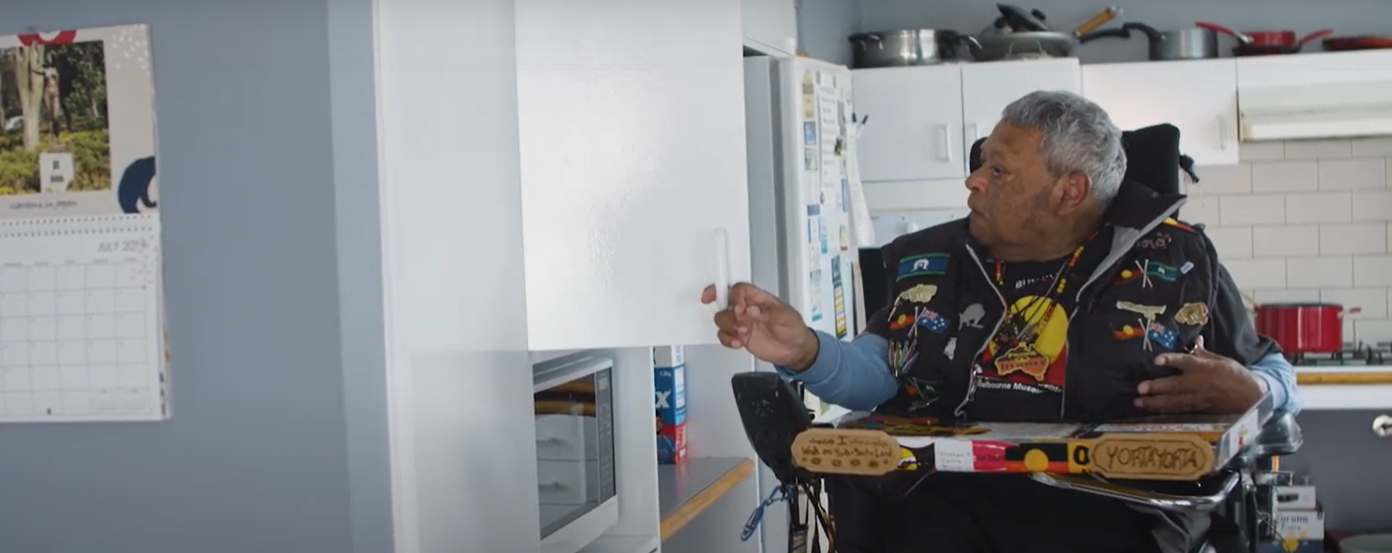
point(1185, 447)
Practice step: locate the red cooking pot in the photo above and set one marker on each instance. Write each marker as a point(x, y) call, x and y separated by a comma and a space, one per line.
point(1303, 327)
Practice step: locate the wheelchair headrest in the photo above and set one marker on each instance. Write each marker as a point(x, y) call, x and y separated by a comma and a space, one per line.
point(1152, 157)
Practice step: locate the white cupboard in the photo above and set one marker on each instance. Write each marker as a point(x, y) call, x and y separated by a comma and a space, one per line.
point(923, 120)
point(914, 131)
point(988, 87)
point(770, 26)
point(1315, 68)
point(633, 176)
point(1199, 97)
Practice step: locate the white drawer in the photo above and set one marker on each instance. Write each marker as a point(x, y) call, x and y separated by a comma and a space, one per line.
point(567, 437)
point(561, 482)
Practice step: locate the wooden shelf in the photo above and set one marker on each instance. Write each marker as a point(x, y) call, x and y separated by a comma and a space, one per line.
point(686, 490)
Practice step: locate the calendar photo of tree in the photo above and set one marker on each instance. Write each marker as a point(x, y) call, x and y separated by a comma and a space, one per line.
point(54, 129)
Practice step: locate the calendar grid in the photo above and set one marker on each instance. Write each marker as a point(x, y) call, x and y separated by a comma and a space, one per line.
point(80, 334)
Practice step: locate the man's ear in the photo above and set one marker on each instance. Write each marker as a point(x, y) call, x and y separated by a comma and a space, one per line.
point(1071, 192)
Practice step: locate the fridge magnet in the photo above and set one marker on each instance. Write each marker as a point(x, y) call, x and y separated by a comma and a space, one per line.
point(822, 234)
point(809, 96)
point(809, 158)
point(77, 123)
point(838, 295)
point(809, 133)
point(815, 292)
point(845, 238)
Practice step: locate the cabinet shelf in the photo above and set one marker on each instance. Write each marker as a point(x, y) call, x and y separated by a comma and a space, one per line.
point(684, 491)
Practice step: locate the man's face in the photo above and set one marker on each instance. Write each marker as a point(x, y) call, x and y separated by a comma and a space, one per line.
point(1010, 194)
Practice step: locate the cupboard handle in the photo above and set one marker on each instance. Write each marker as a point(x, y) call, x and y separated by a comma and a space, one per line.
point(722, 269)
point(972, 134)
point(945, 143)
point(1222, 132)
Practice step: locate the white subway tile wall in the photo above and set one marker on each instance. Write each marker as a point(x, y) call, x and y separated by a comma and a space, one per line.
point(1306, 221)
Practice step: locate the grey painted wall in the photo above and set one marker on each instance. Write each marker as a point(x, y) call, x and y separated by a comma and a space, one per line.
point(824, 25)
point(254, 459)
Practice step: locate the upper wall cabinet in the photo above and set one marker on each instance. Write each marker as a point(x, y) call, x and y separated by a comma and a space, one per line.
point(923, 120)
point(770, 26)
point(1315, 68)
point(988, 87)
point(634, 194)
point(914, 130)
point(1199, 97)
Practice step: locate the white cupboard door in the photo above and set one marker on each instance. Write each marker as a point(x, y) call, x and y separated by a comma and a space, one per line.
point(1315, 68)
point(988, 87)
point(1198, 96)
point(915, 122)
point(770, 26)
point(634, 194)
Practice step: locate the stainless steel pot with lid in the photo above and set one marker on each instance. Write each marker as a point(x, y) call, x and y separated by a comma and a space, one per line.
point(901, 47)
point(1186, 44)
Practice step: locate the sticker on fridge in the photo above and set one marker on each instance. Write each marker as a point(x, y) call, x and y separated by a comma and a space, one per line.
point(809, 158)
point(809, 98)
point(822, 234)
point(814, 289)
point(838, 294)
point(809, 133)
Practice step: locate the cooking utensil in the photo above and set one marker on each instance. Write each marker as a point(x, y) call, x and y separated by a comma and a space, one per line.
point(992, 46)
point(1021, 20)
point(1098, 20)
point(1256, 43)
point(1186, 44)
point(1304, 327)
point(1365, 42)
point(903, 47)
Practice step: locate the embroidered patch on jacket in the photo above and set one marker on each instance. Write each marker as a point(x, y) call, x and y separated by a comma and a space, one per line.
point(1148, 269)
point(1192, 314)
point(1153, 332)
point(971, 317)
point(932, 320)
point(922, 293)
point(1170, 221)
point(902, 354)
point(928, 264)
point(1158, 242)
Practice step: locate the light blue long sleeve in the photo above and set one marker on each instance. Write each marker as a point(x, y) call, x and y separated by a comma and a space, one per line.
point(856, 374)
point(1280, 378)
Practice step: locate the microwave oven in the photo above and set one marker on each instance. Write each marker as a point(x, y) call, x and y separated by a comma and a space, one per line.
point(576, 474)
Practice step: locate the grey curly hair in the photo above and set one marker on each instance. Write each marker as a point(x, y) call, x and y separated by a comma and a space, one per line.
point(1076, 135)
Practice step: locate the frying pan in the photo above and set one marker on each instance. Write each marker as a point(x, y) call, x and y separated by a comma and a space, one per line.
point(1258, 43)
point(1365, 42)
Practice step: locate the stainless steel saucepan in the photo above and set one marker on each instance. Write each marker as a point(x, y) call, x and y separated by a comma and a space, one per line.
point(902, 47)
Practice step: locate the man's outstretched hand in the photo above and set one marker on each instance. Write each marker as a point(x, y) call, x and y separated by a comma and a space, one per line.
point(764, 326)
point(1207, 383)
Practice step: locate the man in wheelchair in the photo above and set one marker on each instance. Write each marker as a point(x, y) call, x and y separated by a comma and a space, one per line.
point(1070, 294)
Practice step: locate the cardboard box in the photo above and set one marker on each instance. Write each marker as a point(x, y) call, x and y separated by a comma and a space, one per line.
point(1295, 498)
point(1154, 448)
point(669, 401)
point(1299, 531)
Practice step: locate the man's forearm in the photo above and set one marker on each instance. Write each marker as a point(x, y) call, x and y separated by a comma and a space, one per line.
point(854, 374)
point(1280, 380)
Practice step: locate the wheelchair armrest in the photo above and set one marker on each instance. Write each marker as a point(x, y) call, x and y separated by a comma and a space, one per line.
point(1279, 436)
point(1144, 498)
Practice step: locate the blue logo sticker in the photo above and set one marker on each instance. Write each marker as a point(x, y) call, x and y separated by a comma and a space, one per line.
point(927, 264)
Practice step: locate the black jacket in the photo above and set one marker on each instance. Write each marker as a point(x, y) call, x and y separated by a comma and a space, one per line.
point(1148, 284)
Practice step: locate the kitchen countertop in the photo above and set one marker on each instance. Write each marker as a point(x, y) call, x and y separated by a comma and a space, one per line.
point(1345, 388)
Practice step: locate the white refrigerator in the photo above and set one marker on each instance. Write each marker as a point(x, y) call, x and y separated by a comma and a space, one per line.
point(798, 130)
point(802, 197)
